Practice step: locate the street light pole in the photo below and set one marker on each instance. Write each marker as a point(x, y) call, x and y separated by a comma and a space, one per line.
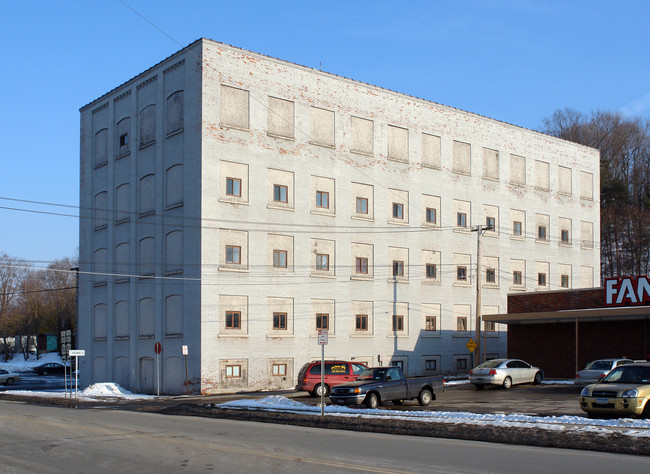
point(479, 229)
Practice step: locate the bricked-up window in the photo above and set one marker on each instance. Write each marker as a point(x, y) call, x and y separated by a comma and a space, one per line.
point(280, 370)
point(279, 193)
point(398, 210)
point(461, 364)
point(541, 232)
point(233, 254)
point(541, 279)
point(461, 323)
point(398, 322)
point(564, 281)
point(234, 107)
point(490, 223)
point(490, 275)
point(233, 371)
point(322, 321)
point(148, 125)
point(489, 326)
point(398, 268)
point(174, 117)
point(361, 322)
point(362, 265)
point(279, 259)
point(233, 187)
point(362, 205)
point(432, 271)
point(322, 199)
point(430, 323)
point(431, 215)
point(516, 278)
point(279, 320)
point(461, 273)
point(430, 364)
point(322, 262)
point(516, 228)
point(233, 319)
point(461, 219)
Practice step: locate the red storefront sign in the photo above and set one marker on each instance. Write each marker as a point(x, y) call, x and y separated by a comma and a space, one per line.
point(627, 291)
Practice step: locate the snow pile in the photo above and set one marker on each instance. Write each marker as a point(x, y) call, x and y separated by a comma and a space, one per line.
point(630, 427)
point(96, 391)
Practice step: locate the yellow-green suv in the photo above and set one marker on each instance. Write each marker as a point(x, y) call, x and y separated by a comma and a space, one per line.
point(623, 392)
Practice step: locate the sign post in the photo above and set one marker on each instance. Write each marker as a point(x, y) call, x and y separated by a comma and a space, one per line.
point(322, 340)
point(66, 339)
point(187, 384)
point(157, 348)
point(76, 353)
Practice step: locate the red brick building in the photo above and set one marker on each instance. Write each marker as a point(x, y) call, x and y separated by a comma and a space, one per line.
point(561, 331)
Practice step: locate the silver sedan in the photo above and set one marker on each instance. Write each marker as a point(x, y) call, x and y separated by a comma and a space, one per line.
point(597, 369)
point(8, 378)
point(504, 373)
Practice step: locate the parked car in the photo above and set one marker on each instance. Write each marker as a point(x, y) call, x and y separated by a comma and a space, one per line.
point(597, 369)
point(504, 373)
point(623, 392)
point(387, 384)
point(49, 368)
point(336, 373)
point(8, 378)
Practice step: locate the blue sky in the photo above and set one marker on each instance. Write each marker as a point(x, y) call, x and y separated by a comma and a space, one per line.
point(512, 60)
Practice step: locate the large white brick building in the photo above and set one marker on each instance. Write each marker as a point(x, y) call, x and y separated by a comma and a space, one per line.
point(236, 203)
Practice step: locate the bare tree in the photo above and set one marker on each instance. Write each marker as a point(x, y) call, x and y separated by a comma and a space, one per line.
point(11, 274)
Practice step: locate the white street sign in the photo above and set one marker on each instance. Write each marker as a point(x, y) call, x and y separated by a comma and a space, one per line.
point(77, 352)
point(185, 351)
point(322, 336)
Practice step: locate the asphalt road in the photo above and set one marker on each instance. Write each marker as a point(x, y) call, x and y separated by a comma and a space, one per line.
point(54, 439)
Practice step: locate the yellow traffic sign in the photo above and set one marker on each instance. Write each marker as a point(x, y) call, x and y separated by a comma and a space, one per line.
point(471, 345)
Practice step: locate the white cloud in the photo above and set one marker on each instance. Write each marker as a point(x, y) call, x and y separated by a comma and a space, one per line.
point(636, 107)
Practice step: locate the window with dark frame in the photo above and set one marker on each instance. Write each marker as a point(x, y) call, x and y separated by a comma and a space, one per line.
point(490, 275)
point(398, 210)
point(361, 322)
point(431, 215)
point(564, 281)
point(516, 228)
point(233, 187)
point(233, 371)
point(233, 319)
point(490, 223)
point(489, 326)
point(322, 320)
point(541, 279)
point(432, 271)
point(398, 268)
point(431, 364)
point(516, 277)
point(430, 323)
point(461, 323)
point(541, 232)
point(398, 322)
point(461, 273)
point(280, 193)
point(362, 265)
point(322, 262)
point(461, 364)
point(279, 321)
point(280, 259)
point(362, 205)
point(322, 199)
point(564, 236)
point(124, 139)
point(280, 370)
point(461, 219)
point(233, 254)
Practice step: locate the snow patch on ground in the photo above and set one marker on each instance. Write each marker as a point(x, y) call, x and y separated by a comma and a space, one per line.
point(98, 391)
point(19, 364)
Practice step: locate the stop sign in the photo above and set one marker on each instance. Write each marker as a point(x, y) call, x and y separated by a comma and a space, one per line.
point(157, 348)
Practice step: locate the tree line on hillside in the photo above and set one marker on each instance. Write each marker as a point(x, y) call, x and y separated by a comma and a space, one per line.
point(35, 301)
point(624, 145)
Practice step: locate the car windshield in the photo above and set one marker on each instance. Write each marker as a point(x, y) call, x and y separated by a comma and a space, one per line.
point(628, 374)
point(599, 365)
point(373, 374)
point(491, 364)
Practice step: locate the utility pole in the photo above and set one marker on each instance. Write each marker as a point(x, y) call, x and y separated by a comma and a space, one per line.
point(479, 229)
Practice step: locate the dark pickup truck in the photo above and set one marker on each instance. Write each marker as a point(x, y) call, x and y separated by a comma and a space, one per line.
point(383, 384)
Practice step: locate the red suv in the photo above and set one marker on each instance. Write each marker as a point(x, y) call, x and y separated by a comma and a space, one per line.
point(336, 373)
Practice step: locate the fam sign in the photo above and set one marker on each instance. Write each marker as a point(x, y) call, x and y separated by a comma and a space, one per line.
point(627, 291)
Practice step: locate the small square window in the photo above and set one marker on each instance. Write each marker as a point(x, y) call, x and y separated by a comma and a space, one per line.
point(362, 205)
point(461, 273)
point(279, 259)
point(361, 322)
point(233, 371)
point(279, 320)
point(398, 268)
point(461, 364)
point(398, 210)
point(280, 193)
point(233, 319)
point(322, 320)
point(233, 254)
point(398, 322)
point(322, 262)
point(564, 281)
point(431, 215)
point(362, 265)
point(490, 223)
point(280, 370)
point(489, 326)
point(516, 228)
point(461, 323)
point(541, 232)
point(564, 236)
point(124, 139)
point(516, 277)
point(490, 275)
point(432, 272)
point(233, 187)
point(322, 199)
point(461, 219)
point(430, 364)
point(541, 279)
point(430, 323)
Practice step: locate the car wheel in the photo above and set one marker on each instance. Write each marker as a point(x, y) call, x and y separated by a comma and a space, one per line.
point(479, 387)
point(322, 388)
point(44, 372)
point(646, 410)
point(538, 378)
point(9, 381)
point(425, 397)
point(371, 401)
point(507, 383)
